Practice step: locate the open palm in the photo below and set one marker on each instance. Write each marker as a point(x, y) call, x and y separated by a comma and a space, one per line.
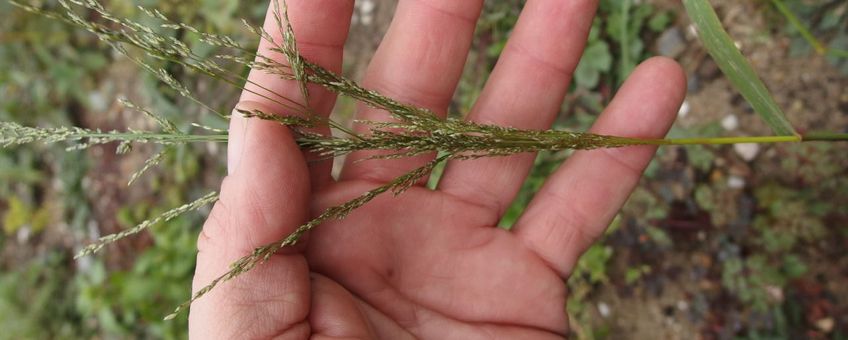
point(429, 263)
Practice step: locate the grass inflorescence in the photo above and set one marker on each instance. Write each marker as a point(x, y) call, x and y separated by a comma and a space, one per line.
point(412, 131)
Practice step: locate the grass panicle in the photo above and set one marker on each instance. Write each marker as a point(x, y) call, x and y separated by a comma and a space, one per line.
point(463, 139)
point(412, 131)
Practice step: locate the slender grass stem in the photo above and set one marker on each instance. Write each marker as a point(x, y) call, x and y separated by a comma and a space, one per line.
point(728, 140)
point(821, 48)
point(809, 137)
point(825, 137)
point(158, 137)
point(803, 30)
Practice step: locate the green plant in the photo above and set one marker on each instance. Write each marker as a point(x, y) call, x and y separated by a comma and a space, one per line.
point(763, 262)
point(591, 270)
point(623, 23)
point(831, 21)
point(416, 130)
point(168, 260)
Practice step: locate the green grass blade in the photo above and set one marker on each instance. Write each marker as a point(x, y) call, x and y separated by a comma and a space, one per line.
point(817, 45)
point(627, 65)
point(820, 48)
point(734, 65)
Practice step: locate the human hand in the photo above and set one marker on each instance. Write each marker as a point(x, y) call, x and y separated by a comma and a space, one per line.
point(429, 263)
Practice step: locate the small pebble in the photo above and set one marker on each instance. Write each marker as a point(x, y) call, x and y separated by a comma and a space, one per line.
point(775, 292)
point(735, 182)
point(693, 83)
point(730, 122)
point(691, 31)
point(671, 43)
point(825, 325)
point(604, 309)
point(685, 108)
point(366, 20)
point(23, 234)
point(748, 151)
point(367, 6)
point(97, 101)
point(366, 11)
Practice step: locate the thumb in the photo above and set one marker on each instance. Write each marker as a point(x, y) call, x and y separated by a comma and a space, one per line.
point(264, 198)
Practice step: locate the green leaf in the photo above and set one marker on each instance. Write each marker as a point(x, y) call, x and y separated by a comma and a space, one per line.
point(794, 266)
point(596, 60)
point(16, 216)
point(733, 64)
point(594, 262)
point(660, 22)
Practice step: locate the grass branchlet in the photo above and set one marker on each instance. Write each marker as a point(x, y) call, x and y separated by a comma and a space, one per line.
point(262, 254)
point(80, 138)
point(207, 199)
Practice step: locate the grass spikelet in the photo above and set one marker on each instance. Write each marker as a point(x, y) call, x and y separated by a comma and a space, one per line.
point(166, 125)
point(149, 164)
point(290, 121)
point(165, 217)
point(290, 50)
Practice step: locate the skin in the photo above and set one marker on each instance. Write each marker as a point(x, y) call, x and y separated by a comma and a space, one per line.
point(429, 263)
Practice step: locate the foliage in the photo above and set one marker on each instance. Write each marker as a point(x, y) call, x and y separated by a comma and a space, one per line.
point(627, 25)
point(20, 215)
point(617, 42)
point(132, 302)
point(34, 301)
point(763, 262)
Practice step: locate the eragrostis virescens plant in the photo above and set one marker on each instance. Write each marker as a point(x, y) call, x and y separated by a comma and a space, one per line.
point(413, 131)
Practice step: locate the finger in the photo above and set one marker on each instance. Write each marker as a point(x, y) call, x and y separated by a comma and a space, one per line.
point(578, 202)
point(336, 313)
point(419, 62)
point(321, 28)
point(261, 202)
point(526, 91)
point(264, 198)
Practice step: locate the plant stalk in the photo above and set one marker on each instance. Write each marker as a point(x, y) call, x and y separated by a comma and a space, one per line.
point(825, 137)
point(728, 140)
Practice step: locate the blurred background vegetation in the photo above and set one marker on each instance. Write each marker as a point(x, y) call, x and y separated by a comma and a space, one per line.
point(717, 242)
